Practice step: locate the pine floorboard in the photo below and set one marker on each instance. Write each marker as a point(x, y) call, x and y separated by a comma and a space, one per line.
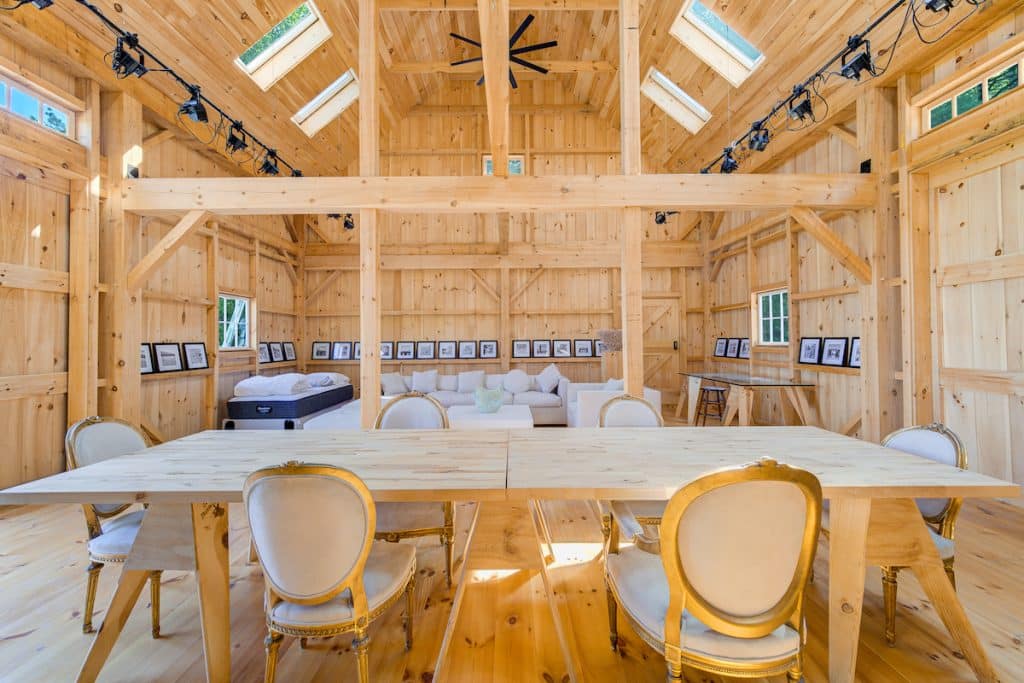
point(505, 632)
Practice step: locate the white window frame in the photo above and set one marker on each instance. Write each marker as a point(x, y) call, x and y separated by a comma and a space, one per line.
point(759, 317)
point(961, 85)
point(235, 322)
point(674, 101)
point(717, 52)
point(42, 100)
point(288, 51)
point(328, 105)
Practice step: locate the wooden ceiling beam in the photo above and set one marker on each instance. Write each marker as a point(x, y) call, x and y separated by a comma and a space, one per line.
point(494, 37)
point(474, 68)
point(468, 194)
point(471, 5)
point(515, 109)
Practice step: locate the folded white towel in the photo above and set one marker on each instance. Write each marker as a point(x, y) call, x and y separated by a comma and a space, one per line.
point(327, 379)
point(278, 385)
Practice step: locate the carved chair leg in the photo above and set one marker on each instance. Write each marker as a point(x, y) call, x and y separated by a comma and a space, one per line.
point(154, 599)
point(606, 526)
point(272, 643)
point(448, 540)
point(303, 642)
point(410, 591)
point(796, 672)
point(252, 552)
point(613, 620)
point(948, 564)
point(889, 585)
point(675, 672)
point(361, 645)
point(92, 581)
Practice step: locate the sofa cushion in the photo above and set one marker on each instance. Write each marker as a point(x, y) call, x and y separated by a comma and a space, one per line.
point(447, 383)
point(538, 399)
point(469, 382)
point(517, 382)
point(548, 378)
point(424, 382)
point(494, 381)
point(393, 384)
point(452, 398)
point(615, 385)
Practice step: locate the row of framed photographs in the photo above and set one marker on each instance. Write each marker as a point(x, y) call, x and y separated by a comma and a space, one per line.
point(558, 348)
point(836, 352)
point(172, 357)
point(732, 347)
point(408, 350)
point(275, 352)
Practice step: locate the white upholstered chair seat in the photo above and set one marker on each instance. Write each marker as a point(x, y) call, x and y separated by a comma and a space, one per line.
point(405, 516)
point(387, 572)
point(537, 399)
point(452, 398)
point(641, 509)
point(945, 546)
point(638, 578)
point(117, 538)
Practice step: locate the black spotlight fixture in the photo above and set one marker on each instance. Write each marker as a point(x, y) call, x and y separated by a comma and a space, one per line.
point(123, 63)
point(296, 173)
point(759, 137)
point(939, 5)
point(349, 223)
point(193, 107)
point(661, 217)
point(861, 62)
point(803, 109)
point(269, 164)
point(42, 4)
point(729, 163)
point(235, 141)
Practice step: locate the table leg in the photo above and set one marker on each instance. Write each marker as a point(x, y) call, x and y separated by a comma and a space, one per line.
point(746, 404)
point(210, 529)
point(692, 395)
point(129, 586)
point(848, 530)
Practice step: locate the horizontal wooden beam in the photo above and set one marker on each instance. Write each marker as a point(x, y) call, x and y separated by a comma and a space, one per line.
point(20, 386)
point(515, 109)
point(37, 146)
point(470, 5)
point(476, 68)
point(16, 276)
point(985, 270)
point(471, 194)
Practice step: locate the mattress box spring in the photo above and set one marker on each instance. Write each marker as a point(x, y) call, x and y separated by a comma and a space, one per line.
point(283, 407)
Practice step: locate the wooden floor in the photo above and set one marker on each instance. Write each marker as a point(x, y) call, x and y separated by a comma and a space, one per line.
point(506, 632)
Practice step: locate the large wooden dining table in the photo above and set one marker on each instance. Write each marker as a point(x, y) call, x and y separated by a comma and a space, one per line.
point(188, 484)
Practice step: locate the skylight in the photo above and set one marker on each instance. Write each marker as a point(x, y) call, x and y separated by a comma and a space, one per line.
point(674, 101)
point(285, 45)
point(720, 31)
point(709, 37)
point(328, 105)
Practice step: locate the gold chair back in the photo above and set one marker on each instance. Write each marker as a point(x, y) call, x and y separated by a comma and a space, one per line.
point(629, 411)
point(939, 443)
point(405, 404)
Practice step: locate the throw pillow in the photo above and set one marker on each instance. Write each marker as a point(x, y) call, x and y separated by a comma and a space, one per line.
point(393, 384)
point(615, 385)
point(424, 382)
point(488, 400)
point(517, 381)
point(447, 383)
point(470, 381)
point(547, 380)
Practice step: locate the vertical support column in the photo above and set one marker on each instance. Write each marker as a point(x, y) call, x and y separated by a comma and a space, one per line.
point(301, 346)
point(919, 399)
point(122, 144)
point(632, 218)
point(880, 329)
point(369, 219)
point(793, 285)
point(505, 321)
point(83, 301)
point(705, 250)
point(210, 402)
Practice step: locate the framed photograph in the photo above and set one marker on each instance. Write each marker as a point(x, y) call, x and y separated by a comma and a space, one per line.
point(289, 351)
point(833, 351)
point(168, 357)
point(146, 359)
point(424, 350)
point(276, 352)
point(341, 351)
point(854, 360)
point(810, 350)
point(542, 348)
point(521, 348)
point(406, 350)
point(489, 348)
point(321, 351)
point(195, 356)
point(467, 349)
point(584, 348)
point(387, 350)
point(720, 347)
point(598, 348)
point(744, 348)
point(357, 350)
point(563, 348)
point(263, 352)
point(447, 349)
point(732, 349)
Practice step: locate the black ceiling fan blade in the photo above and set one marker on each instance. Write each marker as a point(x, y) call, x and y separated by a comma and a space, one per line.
point(531, 48)
point(464, 39)
point(519, 31)
point(466, 61)
point(512, 80)
point(528, 65)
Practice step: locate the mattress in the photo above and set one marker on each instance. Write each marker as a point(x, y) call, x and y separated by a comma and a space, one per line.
point(287, 407)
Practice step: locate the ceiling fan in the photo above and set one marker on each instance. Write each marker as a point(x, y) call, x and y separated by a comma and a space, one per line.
point(513, 51)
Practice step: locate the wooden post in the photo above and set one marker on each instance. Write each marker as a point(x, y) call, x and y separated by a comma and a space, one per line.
point(632, 218)
point(210, 402)
point(299, 299)
point(122, 132)
point(369, 219)
point(494, 17)
point(83, 302)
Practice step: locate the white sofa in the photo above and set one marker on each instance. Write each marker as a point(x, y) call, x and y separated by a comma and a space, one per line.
point(585, 399)
point(548, 408)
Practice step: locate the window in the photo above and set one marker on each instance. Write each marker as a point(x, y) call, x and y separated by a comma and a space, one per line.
point(328, 105)
point(773, 318)
point(285, 45)
point(34, 107)
point(232, 322)
point(516, 164)
point(674, 101)
point(971, 94)
point(711, 39)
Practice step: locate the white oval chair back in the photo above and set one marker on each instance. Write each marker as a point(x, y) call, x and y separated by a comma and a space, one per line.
point(412, 411)
point(629, 411)
point(96, 439)
point(935, 442)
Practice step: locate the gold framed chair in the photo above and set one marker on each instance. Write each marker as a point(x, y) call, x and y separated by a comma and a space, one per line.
point(332, 578)
point(397, 521)
point(724, 592)
point(630, 411)
point(111, 533)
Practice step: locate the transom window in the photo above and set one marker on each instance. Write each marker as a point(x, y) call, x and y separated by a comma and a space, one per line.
point(773, 318)
point(36, 108)
point(973, 94)
point(233, 322)
point(281, 48)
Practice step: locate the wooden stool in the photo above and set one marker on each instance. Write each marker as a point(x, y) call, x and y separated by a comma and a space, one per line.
point(710, 396)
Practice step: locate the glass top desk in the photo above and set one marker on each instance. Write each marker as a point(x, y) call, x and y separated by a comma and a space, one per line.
point(739, 404)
